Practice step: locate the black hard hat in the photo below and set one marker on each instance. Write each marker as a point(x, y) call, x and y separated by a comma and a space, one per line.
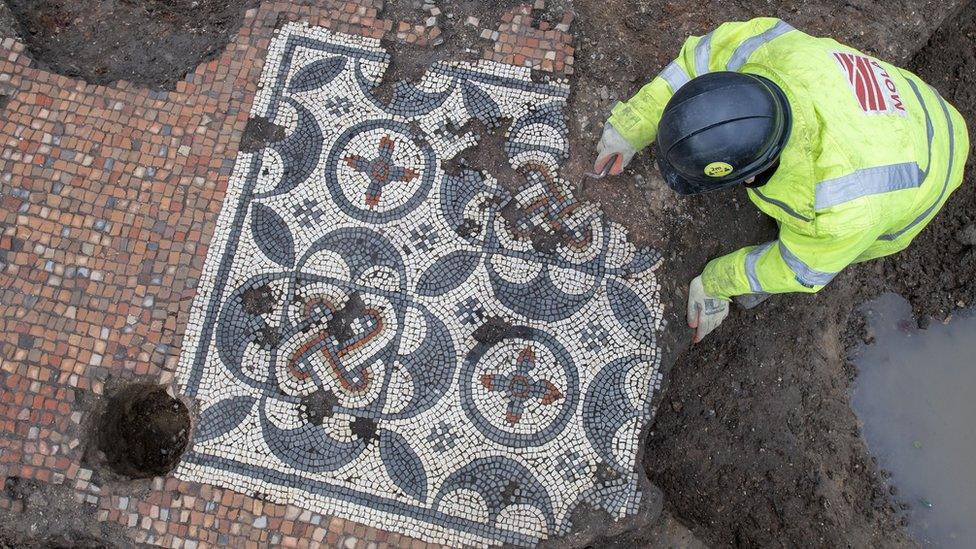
point(720, 129)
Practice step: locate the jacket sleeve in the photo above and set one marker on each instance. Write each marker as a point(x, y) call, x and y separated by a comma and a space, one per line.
point(793, 263)
point(725, 49)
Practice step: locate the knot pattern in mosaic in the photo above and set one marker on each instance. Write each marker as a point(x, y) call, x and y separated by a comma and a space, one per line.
point(382, 339)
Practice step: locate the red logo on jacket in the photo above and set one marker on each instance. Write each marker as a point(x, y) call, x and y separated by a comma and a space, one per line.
point(874, 88)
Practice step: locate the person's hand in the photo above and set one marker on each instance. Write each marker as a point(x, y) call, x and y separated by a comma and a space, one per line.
point(612, 148)
point(704, 313)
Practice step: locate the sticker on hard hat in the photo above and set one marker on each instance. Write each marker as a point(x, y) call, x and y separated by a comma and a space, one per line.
point(718, 169)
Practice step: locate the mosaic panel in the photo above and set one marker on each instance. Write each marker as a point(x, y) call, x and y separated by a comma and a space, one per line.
point(384, 339)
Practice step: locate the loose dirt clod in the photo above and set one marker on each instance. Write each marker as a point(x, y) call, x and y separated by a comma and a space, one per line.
point(967, 235)
point(143, 431)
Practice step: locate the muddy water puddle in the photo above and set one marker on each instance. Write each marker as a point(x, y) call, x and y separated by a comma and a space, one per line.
point(915, 397)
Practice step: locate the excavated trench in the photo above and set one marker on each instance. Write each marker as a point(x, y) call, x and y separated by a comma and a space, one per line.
point(755, 442)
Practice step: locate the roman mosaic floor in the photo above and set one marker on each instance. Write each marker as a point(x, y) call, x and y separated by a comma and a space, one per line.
point(379, 338)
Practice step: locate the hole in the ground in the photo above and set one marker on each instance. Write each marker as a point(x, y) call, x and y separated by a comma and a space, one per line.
point(143, 431)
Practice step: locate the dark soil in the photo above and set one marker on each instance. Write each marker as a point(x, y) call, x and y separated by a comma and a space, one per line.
point(258, 132)
point(755, 443)
point(938, 272)
point(143, 431)
point(152, 43)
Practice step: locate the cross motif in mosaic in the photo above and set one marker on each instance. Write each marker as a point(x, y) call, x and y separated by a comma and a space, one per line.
point(594, 336)
point(443, 437)
point(519, 387)
point(381, 170)
point(307, 213)
point(382, 340)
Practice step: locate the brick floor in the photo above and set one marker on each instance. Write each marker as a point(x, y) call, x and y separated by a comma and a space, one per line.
point(109, 196)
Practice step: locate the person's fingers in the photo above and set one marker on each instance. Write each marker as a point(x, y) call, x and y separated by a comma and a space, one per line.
point(618, 165)
point(601, 162)
point(704, 328)
point(694, 317)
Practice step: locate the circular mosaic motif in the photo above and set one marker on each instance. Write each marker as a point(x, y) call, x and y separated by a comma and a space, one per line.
point(378, 171)
point(521, 390)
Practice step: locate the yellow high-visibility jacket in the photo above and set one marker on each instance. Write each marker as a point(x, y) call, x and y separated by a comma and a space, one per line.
point(873, 154)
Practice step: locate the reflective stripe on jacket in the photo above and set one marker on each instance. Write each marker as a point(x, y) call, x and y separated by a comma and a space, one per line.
point(873, 154)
